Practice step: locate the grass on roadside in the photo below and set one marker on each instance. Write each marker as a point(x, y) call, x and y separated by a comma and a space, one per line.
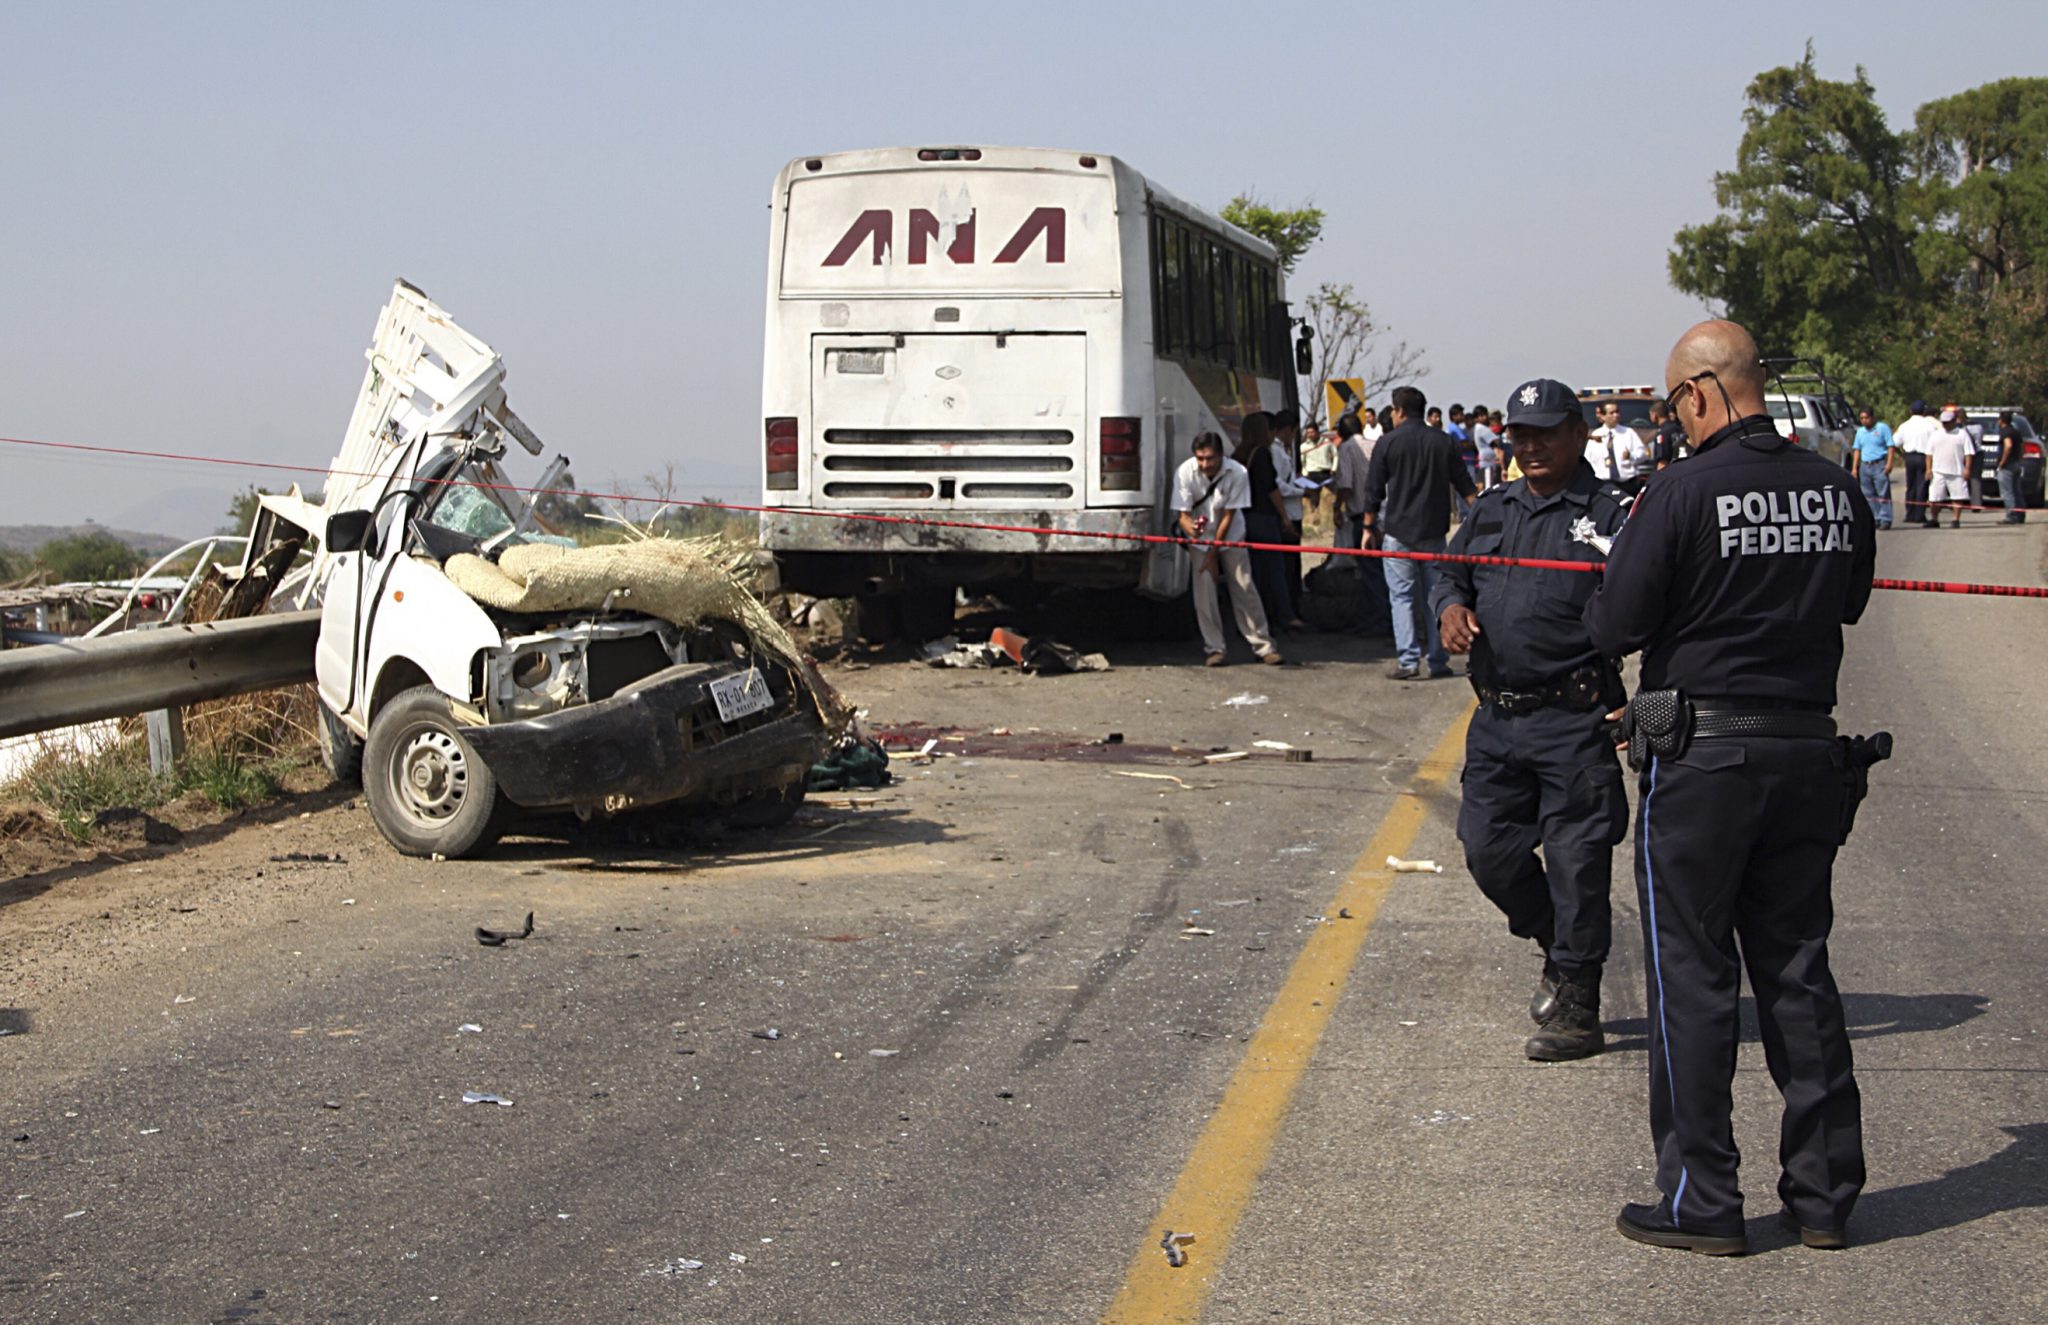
point(236, 754)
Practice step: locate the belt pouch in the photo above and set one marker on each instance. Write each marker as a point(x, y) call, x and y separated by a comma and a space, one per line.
point(1657, 723)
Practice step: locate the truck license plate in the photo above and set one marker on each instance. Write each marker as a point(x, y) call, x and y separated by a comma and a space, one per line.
point(737, 696)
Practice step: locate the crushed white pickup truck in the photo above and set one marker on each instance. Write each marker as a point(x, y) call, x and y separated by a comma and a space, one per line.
point(473, 659)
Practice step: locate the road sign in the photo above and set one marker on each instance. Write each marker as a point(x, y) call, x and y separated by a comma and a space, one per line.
point(1344, 395)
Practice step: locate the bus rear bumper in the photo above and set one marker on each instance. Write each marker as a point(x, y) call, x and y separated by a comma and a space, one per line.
point(1026, 533)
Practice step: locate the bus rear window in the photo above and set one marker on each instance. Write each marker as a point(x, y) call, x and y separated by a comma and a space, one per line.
point(950, 232)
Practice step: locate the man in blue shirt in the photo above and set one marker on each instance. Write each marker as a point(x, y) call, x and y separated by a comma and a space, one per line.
point(1874, 464)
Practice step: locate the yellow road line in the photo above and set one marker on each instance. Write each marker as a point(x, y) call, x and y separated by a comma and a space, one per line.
point(1216, 1184)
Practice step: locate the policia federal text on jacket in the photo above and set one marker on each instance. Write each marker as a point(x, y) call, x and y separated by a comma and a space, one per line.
point(1539, 760)
point(1734, 575)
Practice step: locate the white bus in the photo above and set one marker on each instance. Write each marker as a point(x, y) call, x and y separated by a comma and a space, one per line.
point(1009, 336)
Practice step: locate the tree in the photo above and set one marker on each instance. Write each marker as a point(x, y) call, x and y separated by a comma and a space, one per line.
point(242, 508)
point(1814, 250)
point(1290, 231)
point(1346, 345)
point(1983, 157)
point(90, 556)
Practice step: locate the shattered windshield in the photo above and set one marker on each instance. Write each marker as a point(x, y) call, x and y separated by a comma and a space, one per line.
point(480, 503)
point(472, 512)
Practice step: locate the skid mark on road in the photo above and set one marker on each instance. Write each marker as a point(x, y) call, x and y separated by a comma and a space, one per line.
point(1216, 1184)
point(1165, 902)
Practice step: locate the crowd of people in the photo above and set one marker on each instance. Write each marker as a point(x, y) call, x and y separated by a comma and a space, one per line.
point(1938, 453)
point(1431, 464)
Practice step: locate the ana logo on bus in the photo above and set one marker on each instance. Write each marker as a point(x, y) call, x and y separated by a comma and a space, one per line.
point(876, 229)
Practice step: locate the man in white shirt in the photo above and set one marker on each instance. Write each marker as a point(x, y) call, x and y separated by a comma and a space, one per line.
point(1951, 456)
point(1210, 495)
point(1915, 439)
point(1616, 453)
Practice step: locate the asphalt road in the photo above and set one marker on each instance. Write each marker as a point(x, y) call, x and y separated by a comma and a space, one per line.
point(1001, 1067)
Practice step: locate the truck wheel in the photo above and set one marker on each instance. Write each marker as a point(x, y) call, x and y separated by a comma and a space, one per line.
point(429, 791)
point(339, 749)
point(767, 809)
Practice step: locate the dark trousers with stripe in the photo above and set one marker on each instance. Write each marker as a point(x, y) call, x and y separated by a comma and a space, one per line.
point(1736, 845)
point(1546, 777)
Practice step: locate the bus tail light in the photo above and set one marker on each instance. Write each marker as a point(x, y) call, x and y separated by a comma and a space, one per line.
point(1120, 454)
point(782, 451)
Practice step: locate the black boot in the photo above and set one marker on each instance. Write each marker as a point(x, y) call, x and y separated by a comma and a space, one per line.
point(1544, 1001)
point(1572, 1030)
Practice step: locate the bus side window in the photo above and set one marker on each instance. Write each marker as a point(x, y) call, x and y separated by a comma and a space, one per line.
point(1201, 310)
point(1162, 341)
point(1176, 289)
point(1219, 297)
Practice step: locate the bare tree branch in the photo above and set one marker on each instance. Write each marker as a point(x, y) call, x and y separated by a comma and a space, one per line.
point(1347, 344)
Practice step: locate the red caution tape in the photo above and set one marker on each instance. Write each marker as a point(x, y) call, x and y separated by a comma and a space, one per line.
point(1533, 563)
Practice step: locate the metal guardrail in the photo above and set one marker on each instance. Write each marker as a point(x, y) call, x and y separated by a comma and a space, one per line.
point(57, 685)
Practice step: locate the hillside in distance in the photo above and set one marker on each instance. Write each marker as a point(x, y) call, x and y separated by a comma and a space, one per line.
point(26, 538)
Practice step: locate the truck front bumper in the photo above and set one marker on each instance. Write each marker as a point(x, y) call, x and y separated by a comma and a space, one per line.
point(657, 740)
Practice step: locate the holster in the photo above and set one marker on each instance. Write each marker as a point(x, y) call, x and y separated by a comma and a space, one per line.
point(1656, 723)
point(1858, 754)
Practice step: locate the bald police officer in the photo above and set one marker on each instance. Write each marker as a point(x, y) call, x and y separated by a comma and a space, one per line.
point(1539, 763)
point(1734, 575)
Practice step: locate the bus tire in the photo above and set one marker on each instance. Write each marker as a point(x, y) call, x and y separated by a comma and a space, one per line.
point(428, 790)
point(878, 617)
point(926, 611)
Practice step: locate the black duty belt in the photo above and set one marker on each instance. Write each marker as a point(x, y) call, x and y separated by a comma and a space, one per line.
point(1579, 690)
point(1712, 720)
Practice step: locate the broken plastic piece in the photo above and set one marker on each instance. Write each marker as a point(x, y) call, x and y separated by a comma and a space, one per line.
point(1172, 1243)
point(484, 1097)
point(770, 1034)
point(883, 1053)
point(1399, 866)
point(671, 1268)
point(494, 938)
point(1155, 777)
point(1196, 932)
point(469, 1028)
point(1272, 745)
point(1227, 757)
point(1244, 701)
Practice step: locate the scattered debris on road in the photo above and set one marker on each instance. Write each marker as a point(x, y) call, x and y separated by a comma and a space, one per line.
point(469, 1028)
point(1244, 701)
point(485, 1097)
point(1172, 1243)
point(1399, 866)
point(669, 1269)
point(772, 1033)
point(309, 858)
point(495, 938)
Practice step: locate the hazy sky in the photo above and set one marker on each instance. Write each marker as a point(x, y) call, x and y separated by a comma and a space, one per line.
point(202, 206)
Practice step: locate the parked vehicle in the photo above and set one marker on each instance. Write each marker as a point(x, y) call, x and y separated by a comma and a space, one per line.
point(1819, 423)
point(469, 666)
point(1001, 336)
point(1635, 402)
point(1991, 493)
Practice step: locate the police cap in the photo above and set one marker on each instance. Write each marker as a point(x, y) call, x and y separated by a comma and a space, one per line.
point(1544, 402)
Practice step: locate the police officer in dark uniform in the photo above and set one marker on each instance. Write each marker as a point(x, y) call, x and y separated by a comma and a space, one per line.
point(1539, 760)
point(1668, 444)
point(1734, 575)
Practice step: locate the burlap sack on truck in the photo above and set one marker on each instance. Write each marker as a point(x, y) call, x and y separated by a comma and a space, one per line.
point(682, 581)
